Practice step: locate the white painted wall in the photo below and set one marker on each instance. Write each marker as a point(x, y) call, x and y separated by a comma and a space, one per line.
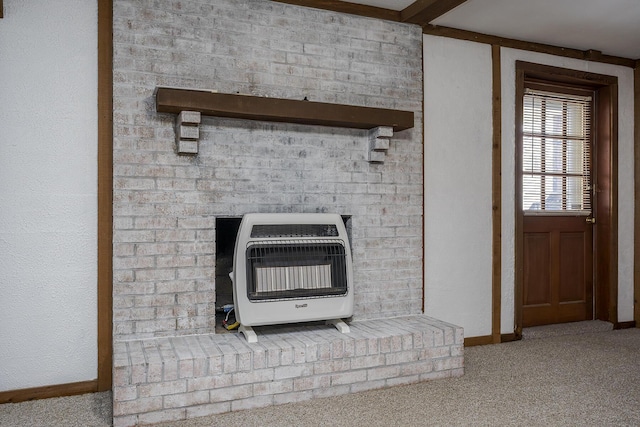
point(48, 214)
point(457, 146)
point(625, 175)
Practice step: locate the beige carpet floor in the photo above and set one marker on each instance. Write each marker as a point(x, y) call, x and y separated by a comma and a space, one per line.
point(585, 378)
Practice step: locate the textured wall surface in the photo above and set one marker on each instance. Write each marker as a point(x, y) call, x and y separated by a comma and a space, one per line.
point(458, 139)
point(48, 209)
point(165, 205)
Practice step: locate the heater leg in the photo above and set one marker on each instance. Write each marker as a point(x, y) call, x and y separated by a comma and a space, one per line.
point(248, 333)
point(340, 325)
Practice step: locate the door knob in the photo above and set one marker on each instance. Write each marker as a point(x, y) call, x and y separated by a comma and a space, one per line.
point(591, 220)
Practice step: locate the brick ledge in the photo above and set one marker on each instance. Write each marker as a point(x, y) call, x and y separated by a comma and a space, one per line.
point(174, 378)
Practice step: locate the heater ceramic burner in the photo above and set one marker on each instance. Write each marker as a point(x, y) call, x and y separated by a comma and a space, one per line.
point(291, 268)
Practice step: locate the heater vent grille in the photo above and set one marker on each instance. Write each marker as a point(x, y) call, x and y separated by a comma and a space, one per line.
point(264, 231)
point(295, 269)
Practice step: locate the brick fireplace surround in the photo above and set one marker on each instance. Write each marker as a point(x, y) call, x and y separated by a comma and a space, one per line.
point(169, 363)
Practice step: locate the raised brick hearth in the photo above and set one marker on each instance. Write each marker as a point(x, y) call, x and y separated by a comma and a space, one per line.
point(168, 379)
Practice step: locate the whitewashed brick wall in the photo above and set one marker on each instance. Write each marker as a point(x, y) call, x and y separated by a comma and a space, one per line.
point(165, 205)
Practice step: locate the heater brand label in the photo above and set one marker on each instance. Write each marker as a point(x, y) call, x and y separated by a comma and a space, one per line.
point(301, 305)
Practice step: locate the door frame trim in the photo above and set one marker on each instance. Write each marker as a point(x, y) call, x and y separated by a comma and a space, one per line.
point(606, 245)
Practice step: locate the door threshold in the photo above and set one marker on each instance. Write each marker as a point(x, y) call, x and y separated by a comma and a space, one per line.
point(573, 328)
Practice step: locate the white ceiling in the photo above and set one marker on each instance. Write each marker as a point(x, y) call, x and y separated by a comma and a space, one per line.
point(610, 26)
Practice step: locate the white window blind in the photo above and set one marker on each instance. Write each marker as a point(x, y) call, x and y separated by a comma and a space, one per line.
point(556, 153)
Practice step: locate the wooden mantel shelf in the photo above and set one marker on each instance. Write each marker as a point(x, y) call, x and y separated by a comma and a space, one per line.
point(174, 100)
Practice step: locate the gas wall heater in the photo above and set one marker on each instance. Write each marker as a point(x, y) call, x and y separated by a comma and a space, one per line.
point(291, 268)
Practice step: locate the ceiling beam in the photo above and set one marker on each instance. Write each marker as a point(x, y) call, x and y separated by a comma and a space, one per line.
point(586, 55)
point(346, 7)
point(422, 12)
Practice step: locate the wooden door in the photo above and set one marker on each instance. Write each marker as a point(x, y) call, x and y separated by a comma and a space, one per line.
point(551, 227)
point(556, 175)
point(558, 270)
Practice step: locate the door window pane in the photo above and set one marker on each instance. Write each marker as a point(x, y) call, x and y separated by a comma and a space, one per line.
point(556, 153)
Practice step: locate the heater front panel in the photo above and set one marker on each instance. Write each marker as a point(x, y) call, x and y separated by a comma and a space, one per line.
point(292, 267)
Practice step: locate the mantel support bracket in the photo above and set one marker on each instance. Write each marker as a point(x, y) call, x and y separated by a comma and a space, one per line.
point(379, 141)
point(188, 132)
